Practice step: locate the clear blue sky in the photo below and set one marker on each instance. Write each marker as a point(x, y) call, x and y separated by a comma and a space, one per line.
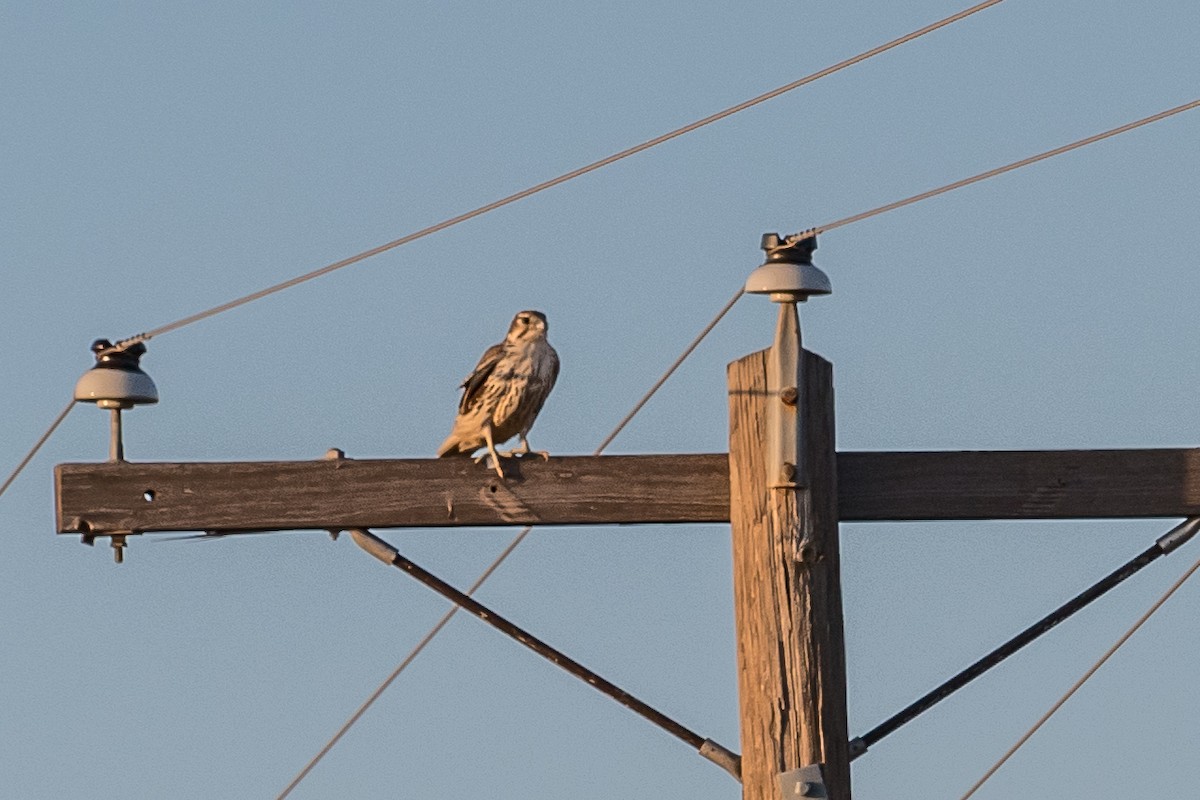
point(159, 158)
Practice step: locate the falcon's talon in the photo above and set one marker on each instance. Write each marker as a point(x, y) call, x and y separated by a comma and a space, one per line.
point(499, 469)
point(492, 463)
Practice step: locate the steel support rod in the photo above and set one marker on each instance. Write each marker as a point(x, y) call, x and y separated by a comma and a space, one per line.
point(1163, 545)
point(727, 760)
point(116, 443)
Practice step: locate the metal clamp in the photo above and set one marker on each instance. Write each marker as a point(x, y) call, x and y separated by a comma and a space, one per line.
point(785, 463)
point(807, 781)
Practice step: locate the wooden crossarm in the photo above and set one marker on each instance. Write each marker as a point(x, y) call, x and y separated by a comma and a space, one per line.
point(339, 494)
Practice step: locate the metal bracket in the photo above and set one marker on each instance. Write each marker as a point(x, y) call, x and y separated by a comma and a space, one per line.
point(727, 760)
point(858, 746)
point(117, 540)
point(1179, 535)
point(804, 782)
point(785, 462)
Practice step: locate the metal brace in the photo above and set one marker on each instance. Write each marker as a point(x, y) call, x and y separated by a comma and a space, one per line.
point(804, 782)
point(785, 462)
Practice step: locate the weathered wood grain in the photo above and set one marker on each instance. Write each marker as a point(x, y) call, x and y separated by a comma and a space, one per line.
point(787, 589)
point(101, 498)
point(1066, 484)
point(1049, 484)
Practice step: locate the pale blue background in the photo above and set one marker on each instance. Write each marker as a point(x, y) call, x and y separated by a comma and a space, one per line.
point(160, 158)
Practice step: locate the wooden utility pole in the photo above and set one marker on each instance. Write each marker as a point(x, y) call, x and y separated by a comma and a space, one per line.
point(787, 589)
point(783, 511)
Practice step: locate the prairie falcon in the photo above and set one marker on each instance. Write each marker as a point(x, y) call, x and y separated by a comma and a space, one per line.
point(504, 393)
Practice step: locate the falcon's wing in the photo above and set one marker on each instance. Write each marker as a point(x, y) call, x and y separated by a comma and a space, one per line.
point(538, 391)
point(554, 372)
point(478, 377)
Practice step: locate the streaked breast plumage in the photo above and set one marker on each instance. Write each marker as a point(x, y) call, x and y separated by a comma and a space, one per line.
point(504, 393)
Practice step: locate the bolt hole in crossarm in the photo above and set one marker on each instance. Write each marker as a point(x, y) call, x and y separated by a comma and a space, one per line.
point(148, 495)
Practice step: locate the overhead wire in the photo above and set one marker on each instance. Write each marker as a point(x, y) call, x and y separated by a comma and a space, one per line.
point(521, 195)
point(991, 173)
point(505, 553)
point(1079, 683)
point(563, 178)
point(62, 415)
point(143, 337)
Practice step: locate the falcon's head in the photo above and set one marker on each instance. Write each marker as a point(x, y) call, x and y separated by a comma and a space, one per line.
point(527, 326)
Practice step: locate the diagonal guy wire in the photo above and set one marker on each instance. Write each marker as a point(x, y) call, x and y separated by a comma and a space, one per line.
point(36, 446)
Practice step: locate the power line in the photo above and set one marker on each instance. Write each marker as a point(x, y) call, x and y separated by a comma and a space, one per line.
point(143, 337)
point(504, 554)
point(512, 198)
point(1079, 683)
point(566, 176)
point(37, 446)
point(810, 232)
point(991, 173)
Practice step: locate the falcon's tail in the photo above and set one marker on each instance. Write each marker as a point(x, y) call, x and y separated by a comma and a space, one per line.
point(454, 447)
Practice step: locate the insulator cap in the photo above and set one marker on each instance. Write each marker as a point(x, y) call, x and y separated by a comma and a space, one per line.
point(117, 379)
point(788, 274)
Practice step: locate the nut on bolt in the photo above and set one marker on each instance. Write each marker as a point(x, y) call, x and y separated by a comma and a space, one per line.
point(789, 395)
